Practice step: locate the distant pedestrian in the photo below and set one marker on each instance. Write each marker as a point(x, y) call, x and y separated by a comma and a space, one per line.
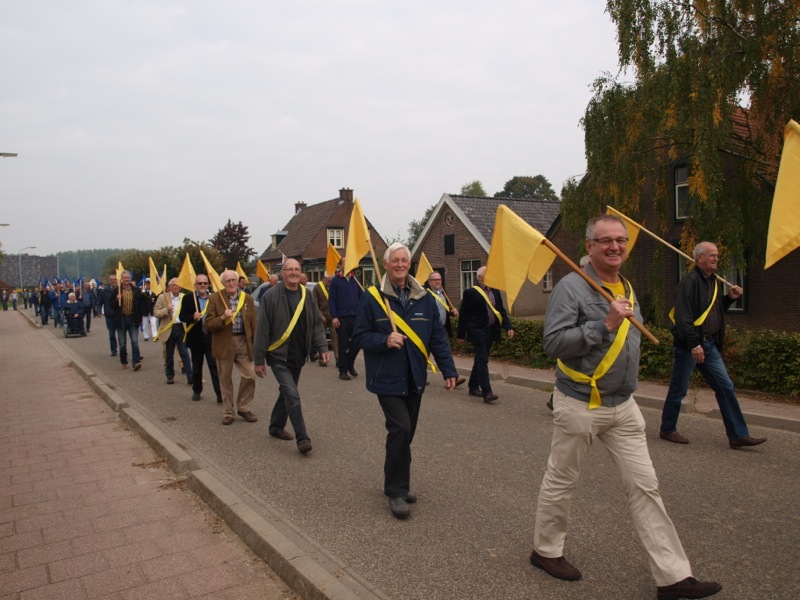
point(198, 338)
point(171, 332)
point(344, 295)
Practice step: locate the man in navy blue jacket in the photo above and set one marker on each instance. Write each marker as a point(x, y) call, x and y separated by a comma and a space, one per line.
point(343, 297)
point(396, 363)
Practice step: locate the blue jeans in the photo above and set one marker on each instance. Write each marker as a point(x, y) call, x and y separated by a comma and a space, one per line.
point(714, 372)
point(58, 317)
point(111, 325)
point(287, 406)
point(129, 328)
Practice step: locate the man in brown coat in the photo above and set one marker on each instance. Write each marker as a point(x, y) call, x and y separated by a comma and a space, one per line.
point(231, 319)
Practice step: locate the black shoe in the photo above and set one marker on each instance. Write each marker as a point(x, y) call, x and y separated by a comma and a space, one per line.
point(688, 588)
point(195, 396)
point(476, 393)
point(137, 366)
point(219, 400)
point(281, 434)
point(353, 372)
point(113, 354)
point(399, 507)
point(489, 398)
point(170, 380)
point(549, 403)
point(344, 376)
point(559, 567)
point(411, 497)
point(190, 380)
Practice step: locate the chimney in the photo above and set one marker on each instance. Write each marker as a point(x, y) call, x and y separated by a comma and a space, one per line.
point(346, 195)
point(298, 206)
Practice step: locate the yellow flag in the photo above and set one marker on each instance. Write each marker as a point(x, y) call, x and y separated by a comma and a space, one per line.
point(155, 284)
point(332, 260)
point(187, 275)
point(163, 280)
point(357, 239)
point(213, 276)
point(516, 254)
point(784, 221)
point(633, 226)
point(261, 271)
point(240, 271)
point(424, 269)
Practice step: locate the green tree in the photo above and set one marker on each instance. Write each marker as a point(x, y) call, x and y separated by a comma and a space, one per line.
point(231, 243)
point(473, 188)
point(415, 227)
point(697, 65)
point(528, 187)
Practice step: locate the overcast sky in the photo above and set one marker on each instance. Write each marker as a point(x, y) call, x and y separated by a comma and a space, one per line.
point(139, 123)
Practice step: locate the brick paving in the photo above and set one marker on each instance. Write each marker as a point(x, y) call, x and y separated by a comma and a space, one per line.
point(87, 510)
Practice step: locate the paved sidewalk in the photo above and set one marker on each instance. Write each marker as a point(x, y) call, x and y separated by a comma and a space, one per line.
point(87, 509)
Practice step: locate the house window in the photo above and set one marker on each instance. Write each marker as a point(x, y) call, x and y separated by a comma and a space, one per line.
point(469, 268)
point(336, 237)
point(735, 276)
point(368, 276)
point(449, 244)
point(547, 281)
point(683, 203)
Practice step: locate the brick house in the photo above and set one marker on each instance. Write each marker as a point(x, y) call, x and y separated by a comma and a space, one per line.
point(305, 237)
point(457, 237)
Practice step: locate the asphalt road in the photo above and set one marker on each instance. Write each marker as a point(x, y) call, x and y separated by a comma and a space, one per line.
point(477, 470)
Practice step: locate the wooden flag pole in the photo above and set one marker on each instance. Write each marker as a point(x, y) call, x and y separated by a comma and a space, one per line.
point(667, 244)
point(596, 286)
point(378, 274)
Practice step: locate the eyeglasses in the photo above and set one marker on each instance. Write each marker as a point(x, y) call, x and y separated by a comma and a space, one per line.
point(230, 281)
point(201, 283)
point(622, 241)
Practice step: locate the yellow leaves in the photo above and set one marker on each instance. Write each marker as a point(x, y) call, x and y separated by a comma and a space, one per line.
point(698, 186)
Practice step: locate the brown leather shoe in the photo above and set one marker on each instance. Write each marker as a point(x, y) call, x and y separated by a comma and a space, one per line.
point(476, 393)
point(559, 567)
point(227, 420)
point(674, 437)
point(746, 441)
point(489, 398)
point(688, 588)
point(282, 435)
point(304, 447)
point(460, 381)
point(247, 416)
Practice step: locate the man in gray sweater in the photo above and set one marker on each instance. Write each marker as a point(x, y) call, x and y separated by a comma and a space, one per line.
point(288, 329)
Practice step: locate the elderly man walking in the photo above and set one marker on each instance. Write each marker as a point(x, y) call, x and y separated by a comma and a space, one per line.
point(288, 329)
point(231, 319)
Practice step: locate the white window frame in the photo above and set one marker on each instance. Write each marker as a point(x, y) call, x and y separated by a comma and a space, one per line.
point(336, 237)
point(547, 281)
point(469, 269)
point(683, 203)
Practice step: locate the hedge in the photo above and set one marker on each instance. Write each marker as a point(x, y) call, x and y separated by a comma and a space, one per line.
point(764, 361)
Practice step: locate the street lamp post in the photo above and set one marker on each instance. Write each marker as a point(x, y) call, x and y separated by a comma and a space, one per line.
point(19, 262)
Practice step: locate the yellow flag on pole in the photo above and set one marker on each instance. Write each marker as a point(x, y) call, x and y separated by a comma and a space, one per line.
point(155, 284)
point(163, 280)
point(516, 254)
point(784, 221)
point(187, 275)
point(357, 239)
point(332, 260)
point(633, 227)
point(213, 276)
point(261, 271)
point(424, 269)
point(240, 270)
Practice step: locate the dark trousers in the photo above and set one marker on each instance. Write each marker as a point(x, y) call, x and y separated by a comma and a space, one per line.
point(44, 314)
point(200, 353)
point(402, 413)
point(287, 406)
point(128, 328)
point(111, 325)
point(88, 314)
point(347, 349)
point(479, 376)
point(174, 340)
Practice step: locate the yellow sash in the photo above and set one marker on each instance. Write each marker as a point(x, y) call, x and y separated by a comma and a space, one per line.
point(324, 289)
point(478, 289)
point(440, 299)
point(193, 323)
point(412, 335)
point(239, 306)
point(702, 318)
point(605, 364)
point(292, 323)
point(169, 325)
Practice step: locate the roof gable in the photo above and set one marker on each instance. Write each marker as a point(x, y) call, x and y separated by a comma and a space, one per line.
point(302, 228)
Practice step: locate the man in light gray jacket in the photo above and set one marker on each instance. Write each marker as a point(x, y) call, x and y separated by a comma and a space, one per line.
point(598, 369)
point(288, 329)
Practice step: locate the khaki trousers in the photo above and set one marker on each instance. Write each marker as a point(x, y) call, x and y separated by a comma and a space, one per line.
point(621, 430)
point(237, 355)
